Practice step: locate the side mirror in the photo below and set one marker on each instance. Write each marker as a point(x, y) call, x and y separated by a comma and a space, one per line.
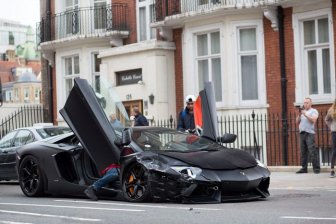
point(227, 138)
point(126, 136)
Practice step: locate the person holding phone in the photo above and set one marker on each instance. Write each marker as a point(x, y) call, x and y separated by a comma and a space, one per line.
point(306, 119)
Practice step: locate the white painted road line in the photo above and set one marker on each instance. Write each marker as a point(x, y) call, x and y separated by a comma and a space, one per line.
point(308, 218)
point(137, 205)
point(10, 222)
point(50, 216)
point(327, 188)
point(74, 207)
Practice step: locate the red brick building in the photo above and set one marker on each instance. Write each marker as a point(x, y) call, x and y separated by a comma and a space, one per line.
point(264, 56)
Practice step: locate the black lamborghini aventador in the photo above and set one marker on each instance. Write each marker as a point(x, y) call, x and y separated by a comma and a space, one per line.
point(157, 164)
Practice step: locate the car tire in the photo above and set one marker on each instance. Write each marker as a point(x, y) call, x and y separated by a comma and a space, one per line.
point(31, 177)
point(135, 184)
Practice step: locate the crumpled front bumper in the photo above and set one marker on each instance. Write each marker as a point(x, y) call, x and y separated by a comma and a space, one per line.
point(211, 186)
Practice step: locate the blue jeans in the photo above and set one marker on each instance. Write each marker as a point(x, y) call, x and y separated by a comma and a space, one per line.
point(110, 176)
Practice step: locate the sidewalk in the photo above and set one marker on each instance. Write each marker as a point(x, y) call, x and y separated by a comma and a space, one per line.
point(293, 181)
point(296, 168)
point(286, 178)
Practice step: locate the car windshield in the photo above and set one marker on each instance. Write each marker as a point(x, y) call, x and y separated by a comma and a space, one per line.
point(52, 131)
point(112, 105)
point(172, 140)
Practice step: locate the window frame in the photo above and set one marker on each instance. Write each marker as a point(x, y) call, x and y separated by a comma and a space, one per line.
point(209, 57)
point(72, 11)
point(37, 93)
point(20, 140)
point(26, 94)
point(302, 91)
point(95, 73)
point(71, 76)
point(104, 25)
point(147, 5)
point(260, 55)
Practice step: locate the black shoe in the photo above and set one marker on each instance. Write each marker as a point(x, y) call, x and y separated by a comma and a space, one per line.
point(332, 174)
point(91, 193)
point(316, 171)
point(302, 171)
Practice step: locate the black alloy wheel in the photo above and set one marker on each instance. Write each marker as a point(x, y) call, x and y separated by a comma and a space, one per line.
point(135, 184)
point(30, 177)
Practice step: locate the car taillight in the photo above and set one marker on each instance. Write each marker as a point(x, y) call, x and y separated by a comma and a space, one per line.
point(127, 151)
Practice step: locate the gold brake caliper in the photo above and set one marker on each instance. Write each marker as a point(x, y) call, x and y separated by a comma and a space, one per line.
point(130, 180)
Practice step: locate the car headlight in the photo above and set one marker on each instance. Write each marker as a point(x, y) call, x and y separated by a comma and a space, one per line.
point(261, 164)
point(187, 171)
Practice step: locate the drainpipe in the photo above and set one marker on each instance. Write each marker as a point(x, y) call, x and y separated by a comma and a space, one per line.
point(283, 86)
point(49, 68)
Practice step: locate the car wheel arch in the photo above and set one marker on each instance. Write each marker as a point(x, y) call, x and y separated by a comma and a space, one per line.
point(41, 190)
point(125, 173)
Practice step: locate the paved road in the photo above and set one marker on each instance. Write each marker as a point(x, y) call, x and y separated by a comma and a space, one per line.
point(305, 198)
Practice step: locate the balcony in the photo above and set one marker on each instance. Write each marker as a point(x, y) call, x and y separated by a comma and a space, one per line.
point(83, 24)
point(187, 8)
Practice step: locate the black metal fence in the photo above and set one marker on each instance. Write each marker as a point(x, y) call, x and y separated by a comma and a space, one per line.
point(262, 136)
point(25, 116)
point(88, 22)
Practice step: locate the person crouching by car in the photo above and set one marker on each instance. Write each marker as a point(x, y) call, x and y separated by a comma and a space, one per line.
point(111, 174)
point(186, 121)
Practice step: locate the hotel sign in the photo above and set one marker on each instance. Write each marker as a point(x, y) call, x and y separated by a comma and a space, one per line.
point(129, 77)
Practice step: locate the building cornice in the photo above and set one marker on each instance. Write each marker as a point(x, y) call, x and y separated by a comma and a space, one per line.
point(138, 47)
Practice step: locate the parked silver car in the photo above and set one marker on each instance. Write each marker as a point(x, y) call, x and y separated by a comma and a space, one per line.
point(22, 136)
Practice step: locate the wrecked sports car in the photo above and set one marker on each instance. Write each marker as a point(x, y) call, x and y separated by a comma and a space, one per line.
point(157, 164)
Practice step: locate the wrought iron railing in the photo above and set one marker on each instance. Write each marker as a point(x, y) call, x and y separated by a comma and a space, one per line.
point(85, 22)
point(262, 135)
point(164, 8)
point(259, 134)
point(25, 116)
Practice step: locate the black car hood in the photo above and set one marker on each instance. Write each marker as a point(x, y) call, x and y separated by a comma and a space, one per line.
point(225, 159)
point(86, 118)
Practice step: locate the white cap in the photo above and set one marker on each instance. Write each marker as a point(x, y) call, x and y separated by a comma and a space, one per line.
point(190, 98)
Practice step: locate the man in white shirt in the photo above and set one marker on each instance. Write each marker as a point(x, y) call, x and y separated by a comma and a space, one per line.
point(306, 120)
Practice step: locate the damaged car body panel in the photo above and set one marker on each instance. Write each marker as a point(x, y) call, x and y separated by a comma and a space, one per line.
point(186, 175)
point(157, 164)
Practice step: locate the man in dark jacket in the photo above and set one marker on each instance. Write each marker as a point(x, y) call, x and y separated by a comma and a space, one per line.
point(186, 120)
point(139, 119)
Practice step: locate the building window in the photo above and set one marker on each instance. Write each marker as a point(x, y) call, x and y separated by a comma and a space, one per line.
point(26, 94)
point(96, 71)
point(11, 39)
point(16, 94)
point(100, 14)
point(145, 17)
point(314, 55)
point(72, 16)
point(208, 61)
point(71, 71)
point(316, 49)
point(37, 94)
point(248, 63)
point(8, 96)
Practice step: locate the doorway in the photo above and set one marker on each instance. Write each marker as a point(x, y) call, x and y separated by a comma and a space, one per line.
point(129, 105)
